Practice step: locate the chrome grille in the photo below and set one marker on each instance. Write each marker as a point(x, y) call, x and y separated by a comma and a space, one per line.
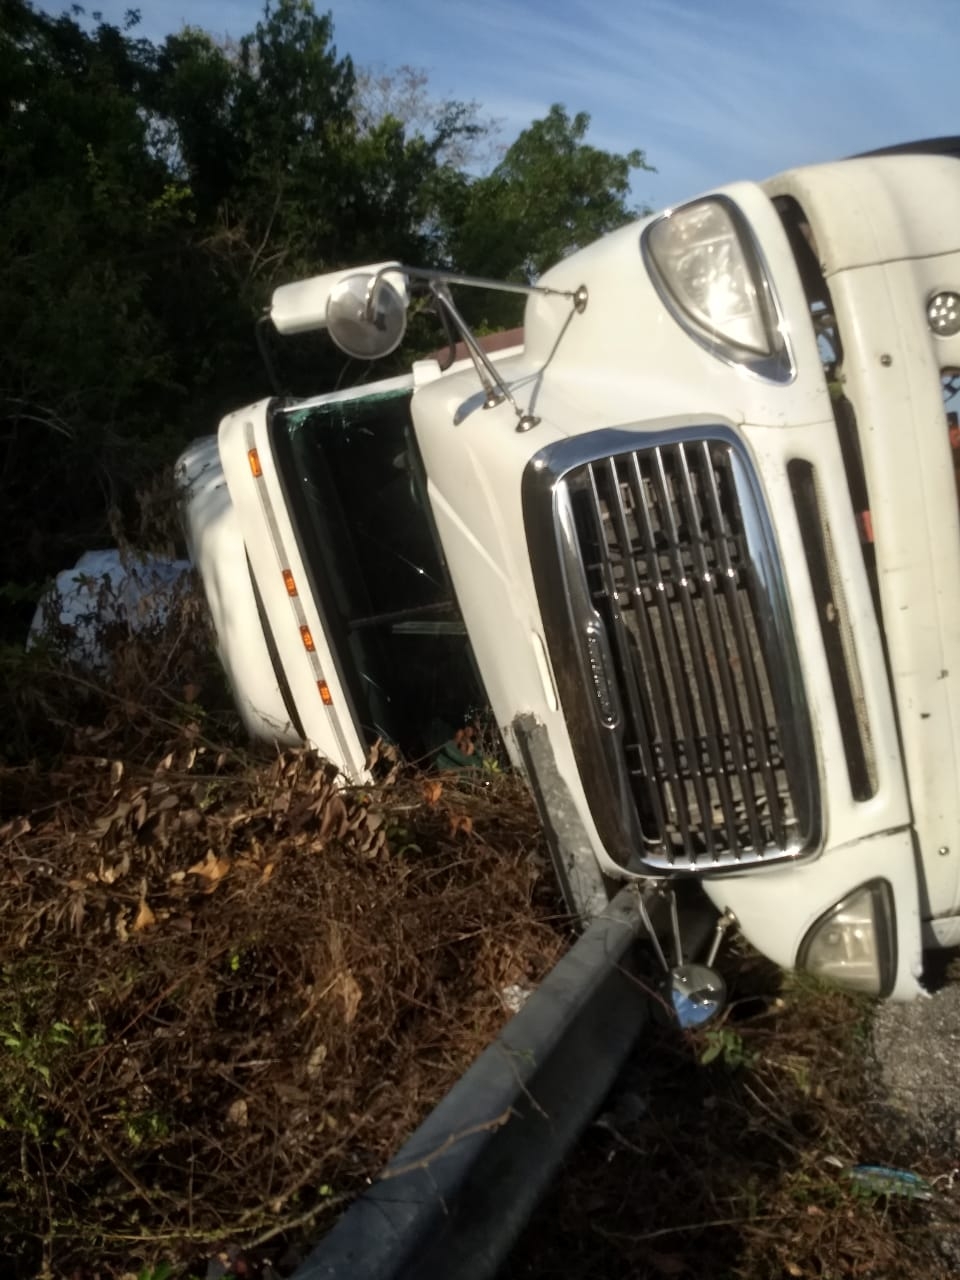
point(679, 566)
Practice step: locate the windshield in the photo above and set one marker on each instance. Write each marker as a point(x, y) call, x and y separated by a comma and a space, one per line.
point(355, 488)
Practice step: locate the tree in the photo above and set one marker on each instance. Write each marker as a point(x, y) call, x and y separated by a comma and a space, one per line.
point(460, 137)
point(153, 195)
point(550, 194)
point(87, 210)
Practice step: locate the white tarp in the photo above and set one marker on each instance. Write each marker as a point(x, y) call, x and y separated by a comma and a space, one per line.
point(102, 590)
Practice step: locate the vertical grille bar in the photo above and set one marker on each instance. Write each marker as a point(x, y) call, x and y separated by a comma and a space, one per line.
point(672, 593)
point(707, 563)
point(748, 653)
point(656, 712)
point(699, 577)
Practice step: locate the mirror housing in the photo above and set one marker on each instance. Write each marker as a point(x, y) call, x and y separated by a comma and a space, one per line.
point(301, 306)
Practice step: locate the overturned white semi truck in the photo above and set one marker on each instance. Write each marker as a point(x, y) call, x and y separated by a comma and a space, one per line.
point(694, 538)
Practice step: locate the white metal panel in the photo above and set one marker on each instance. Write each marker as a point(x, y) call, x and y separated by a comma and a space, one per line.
point(216, 546)
point(776, 907)
point(272, 547)
point(892, 379)
point(877, 208)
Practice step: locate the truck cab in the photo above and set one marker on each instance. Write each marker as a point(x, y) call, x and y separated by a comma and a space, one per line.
point(694, 541)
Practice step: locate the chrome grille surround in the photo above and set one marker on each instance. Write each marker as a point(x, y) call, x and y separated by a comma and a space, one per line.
point(669, 631)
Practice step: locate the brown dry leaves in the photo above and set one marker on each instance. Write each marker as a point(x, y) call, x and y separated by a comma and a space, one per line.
point(212, 869)
point(187, 828)
point(269, 979)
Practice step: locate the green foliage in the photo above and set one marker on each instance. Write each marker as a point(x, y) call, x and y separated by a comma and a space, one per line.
point(87, 211)
point(153, 194)
point(36, 1040)
point(726, 1045)
point(162, 1271)
point(550, 194)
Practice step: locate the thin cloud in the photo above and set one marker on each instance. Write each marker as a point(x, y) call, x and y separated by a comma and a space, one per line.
point(711, 92)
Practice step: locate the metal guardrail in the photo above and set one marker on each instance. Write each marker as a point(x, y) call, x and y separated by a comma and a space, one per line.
point(455, 1198)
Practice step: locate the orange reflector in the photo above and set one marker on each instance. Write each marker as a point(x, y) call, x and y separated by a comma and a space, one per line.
point(307, 639)
point(289, 583)
point(866, 526)
point(325, 696)
point(254, 459)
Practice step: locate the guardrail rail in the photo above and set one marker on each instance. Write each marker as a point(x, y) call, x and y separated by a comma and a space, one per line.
point(454, 1199)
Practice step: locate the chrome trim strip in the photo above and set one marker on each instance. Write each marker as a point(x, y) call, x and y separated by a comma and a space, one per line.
point(709, 763)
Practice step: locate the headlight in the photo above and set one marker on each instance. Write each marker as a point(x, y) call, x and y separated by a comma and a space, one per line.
point(708, 270)
point(854, 943)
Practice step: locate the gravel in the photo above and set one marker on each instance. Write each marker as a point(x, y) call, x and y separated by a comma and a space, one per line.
point(917, 1051)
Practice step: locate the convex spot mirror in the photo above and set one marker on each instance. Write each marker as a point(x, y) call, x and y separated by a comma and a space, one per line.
point(697, 994)
point(366, 316)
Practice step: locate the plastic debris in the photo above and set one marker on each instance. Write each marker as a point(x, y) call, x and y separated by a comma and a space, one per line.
point(880, 1180)
point(515, 996)
point(106, 589)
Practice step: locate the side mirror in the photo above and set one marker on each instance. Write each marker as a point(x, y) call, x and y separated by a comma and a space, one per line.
point(697, 994)
point(366, 316)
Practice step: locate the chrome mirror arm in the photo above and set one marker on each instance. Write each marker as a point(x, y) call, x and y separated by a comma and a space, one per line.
point(494, 387)
point(438, 282)
point(430, 275)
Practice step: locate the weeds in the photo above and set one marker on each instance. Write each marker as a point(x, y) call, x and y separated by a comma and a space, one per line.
point(728, 1046)
point(229, 986)
point(747, 1151)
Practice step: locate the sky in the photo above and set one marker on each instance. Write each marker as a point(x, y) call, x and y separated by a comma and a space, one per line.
point(712, 91)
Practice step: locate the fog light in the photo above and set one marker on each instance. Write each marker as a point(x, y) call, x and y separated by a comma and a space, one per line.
point(943, 313)
point(854, 943)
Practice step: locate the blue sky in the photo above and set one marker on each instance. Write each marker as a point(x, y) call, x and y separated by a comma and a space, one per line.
point(710, 91)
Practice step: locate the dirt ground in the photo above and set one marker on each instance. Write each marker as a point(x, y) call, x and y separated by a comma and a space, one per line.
point(916, 1048)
